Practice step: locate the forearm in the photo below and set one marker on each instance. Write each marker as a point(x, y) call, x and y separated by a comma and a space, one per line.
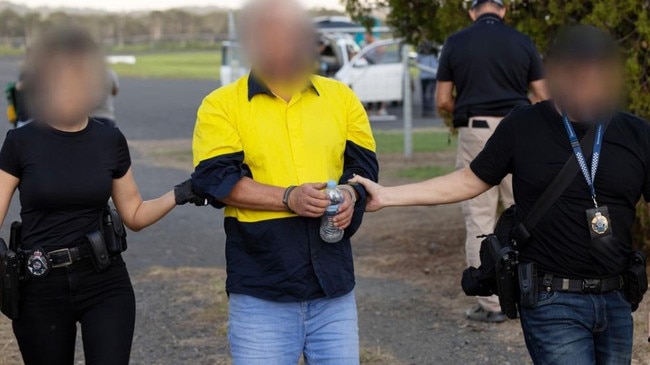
point(151, 211)
point(447, 106)
point(538, 91)
point(249, 194)
point(453, 188)
point(8, 185)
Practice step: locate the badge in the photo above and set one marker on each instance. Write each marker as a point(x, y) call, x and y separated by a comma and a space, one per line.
point(599, 222)
point(38, 264)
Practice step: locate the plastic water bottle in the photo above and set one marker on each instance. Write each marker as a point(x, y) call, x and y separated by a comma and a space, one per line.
point(328, 231)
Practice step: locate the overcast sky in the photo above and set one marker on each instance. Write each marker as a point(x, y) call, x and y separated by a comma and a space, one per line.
point(125, 5)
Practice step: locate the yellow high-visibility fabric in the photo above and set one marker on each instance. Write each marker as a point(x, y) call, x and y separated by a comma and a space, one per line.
point(284, 143)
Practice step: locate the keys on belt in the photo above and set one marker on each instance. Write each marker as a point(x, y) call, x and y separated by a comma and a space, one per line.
point(582, 286)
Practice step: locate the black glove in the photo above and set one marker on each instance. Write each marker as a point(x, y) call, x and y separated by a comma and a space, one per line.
point(184, 194)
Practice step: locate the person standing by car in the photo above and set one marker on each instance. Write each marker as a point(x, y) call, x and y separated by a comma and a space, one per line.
point(67, 166)
point(105, 112)
point(582, 246)
point(263, 148)
point(428, 58)
point(491, 67)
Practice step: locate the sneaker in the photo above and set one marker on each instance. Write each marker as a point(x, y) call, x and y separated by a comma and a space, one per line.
point(479, 314)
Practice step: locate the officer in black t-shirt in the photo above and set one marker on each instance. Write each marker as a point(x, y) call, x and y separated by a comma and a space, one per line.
point(583, 244)
point(66, 167)
point(492, 67)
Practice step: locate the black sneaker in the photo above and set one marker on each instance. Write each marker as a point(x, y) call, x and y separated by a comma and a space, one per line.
point(479, 314)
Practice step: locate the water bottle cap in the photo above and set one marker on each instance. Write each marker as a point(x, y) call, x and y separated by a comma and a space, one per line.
point(331, 184)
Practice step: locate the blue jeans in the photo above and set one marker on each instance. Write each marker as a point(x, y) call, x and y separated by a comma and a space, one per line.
point(324, 330)
point(579, 329)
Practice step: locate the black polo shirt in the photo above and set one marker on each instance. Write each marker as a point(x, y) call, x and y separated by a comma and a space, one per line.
point(532, 144)
point(491, 66)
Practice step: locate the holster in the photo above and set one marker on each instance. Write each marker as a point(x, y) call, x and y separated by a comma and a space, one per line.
point(10, 266)
point(507, 280)
point(636, 280)
point(98, 252)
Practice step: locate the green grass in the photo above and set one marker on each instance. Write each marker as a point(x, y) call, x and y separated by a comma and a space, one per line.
point(11, 51)
point(179, 65)
point(423, 141)
point(424, 173)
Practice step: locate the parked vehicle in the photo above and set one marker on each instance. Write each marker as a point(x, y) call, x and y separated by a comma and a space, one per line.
point(376, 72)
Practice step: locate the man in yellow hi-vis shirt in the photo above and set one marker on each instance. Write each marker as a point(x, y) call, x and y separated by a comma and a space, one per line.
point(263, 148)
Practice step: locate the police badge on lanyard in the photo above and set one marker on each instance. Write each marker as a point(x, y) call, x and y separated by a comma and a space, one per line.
point(597, 218)
point(38, 263)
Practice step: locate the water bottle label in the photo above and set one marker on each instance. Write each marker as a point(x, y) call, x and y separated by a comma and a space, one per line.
point(333, 208)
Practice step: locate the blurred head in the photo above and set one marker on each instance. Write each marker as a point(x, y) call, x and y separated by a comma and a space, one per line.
point(369, 38)
point(65, 76)
point(278, 38)
point(481, 7)
point(585, 73)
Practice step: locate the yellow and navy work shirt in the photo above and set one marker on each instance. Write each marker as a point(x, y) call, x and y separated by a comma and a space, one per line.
point(323, 133)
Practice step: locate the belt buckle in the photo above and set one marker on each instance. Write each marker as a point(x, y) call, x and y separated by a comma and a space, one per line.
point(591, 286)
point(63, 264)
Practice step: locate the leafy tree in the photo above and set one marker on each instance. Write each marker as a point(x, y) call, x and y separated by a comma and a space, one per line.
point(627, 20)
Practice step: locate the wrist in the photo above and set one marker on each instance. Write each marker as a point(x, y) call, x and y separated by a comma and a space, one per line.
point(351, 191)
point(286, 198)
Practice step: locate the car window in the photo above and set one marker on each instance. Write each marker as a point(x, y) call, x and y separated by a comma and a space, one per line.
point(385, 54)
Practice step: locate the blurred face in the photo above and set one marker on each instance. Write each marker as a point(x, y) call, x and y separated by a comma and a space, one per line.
point(280, 44)
point(588, 91)
point(69, 89)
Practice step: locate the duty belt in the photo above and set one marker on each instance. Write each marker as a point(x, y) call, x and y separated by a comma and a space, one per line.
point(583, 286)
point(68, 256)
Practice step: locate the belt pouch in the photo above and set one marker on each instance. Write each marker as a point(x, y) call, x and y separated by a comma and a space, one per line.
point(636, 280)
point(114, 232)
point(98, 253)
point(528, 288)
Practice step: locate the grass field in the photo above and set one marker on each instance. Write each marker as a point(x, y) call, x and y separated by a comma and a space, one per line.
point(423, 141)
point(176, 65)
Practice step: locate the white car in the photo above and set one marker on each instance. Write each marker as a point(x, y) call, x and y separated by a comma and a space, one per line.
point(376, 72)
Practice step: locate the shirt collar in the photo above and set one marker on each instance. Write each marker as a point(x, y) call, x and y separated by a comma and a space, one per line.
point(488, 17)
point(257, 87)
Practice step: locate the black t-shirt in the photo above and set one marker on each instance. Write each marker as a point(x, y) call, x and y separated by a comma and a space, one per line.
point(491, 66)
point(65, 178)
point(532, 144)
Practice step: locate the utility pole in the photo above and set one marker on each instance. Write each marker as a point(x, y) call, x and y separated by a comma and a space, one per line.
point(407, 104)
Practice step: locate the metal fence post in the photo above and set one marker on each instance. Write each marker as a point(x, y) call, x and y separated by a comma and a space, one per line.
point(407, 104)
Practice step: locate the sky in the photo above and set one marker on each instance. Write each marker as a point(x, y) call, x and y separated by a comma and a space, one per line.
point(126, 5)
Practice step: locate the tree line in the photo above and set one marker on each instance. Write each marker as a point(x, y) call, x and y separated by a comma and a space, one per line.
point(154, 28)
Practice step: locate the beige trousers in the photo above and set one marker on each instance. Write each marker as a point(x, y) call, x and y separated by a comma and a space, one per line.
point(481, 212)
